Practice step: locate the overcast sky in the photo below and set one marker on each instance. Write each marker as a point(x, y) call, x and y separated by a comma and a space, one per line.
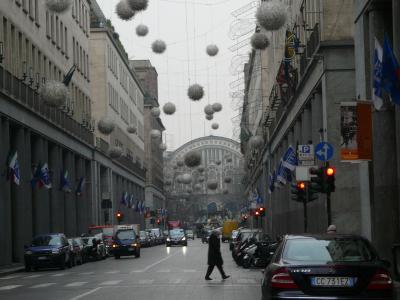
point(188, 26)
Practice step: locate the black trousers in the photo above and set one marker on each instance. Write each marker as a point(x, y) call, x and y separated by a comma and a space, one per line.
point(211, 268)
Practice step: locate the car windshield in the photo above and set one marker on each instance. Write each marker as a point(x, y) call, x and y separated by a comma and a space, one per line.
point(47, 240)
point(176, 233)
point(126, 235)
point(317, 251)
point(189, 231)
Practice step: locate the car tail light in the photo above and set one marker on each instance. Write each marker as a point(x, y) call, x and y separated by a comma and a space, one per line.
point(381, 281)
point(281, 279)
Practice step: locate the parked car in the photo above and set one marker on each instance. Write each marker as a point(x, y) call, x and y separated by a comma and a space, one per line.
point(326, 267)
point(176, 237)
point(190, 234)
point(76, 247)
point(94, 248)
point(48, 250)
point(144, 239)
point(126, 243)
point(152, 238)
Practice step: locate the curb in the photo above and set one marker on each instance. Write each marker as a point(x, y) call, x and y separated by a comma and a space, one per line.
point(8, 271)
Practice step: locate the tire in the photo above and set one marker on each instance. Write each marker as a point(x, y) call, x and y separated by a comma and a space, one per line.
point(246, 263)
point(117, 257)
point(73, 261)
point(137, 254)
point(63, 264)
point(80, 260)
point(70, 263)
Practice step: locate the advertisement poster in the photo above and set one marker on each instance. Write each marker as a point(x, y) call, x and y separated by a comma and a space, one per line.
point(348, 131)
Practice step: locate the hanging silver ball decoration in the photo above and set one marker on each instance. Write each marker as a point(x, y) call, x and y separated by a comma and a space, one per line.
point(142, 30)
point(259, 41)
point(175, 167)
point(58, 6)
point(138, 5)
point(201, 179)
point(106, 125)
point(168, 182)
point(218, 162)
point(208, 109)
point(155, 112)
point(271, 15)
point(180, 163)
point(209, 117)
point(228, 179)
point(212, 50)
point(131, 129)
point(179, 179)
point(195, 92)
point(229, 159)
point(54, 93)
point(186, 178)
point(115, 152)
point(215, 126)
point(197, 187)
point(169, 108)
point(124, 11)
point(189, 191)
point(256, 141)
point(217, 107)
point(212, 184)
point(155, 134)
point(225, 192)
point(200, 169)
point(163, 147)
point(158, 46)
point(192, 159)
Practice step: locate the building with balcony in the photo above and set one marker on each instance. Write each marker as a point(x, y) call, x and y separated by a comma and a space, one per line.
point(119, 96)
point(155, 198)
point(38, 45)
point(221, 159)
point(298, 101)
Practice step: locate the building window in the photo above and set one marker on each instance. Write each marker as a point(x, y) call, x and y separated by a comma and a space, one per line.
point(57, 32)
point(31, 10)
point(52, 27)
point(73, 51)
point(37, 12)
point(66, 40)
point(62, 36)
point(24, 6)
point(48, 24)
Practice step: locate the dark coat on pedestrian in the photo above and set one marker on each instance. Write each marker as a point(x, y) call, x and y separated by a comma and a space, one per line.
point(214, 251)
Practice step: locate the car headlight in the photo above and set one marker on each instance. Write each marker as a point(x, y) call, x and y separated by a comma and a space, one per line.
point(115, 246)
point(168, 239)
point(55, 251)
point(183, 239)
point(29, 252)
point(134, 245)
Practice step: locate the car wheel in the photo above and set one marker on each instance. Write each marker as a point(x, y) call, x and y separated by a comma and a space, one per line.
point(62, 264)
point(80, 261)
point(73, 261)
point(70, 263)
point(27, 268)
point(117, 257)
point(137, 254)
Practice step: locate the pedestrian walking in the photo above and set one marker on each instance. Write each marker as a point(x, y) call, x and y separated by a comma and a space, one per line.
point(214, 256)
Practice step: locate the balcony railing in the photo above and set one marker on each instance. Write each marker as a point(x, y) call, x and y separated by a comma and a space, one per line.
point(135, 167)
point(25, 95)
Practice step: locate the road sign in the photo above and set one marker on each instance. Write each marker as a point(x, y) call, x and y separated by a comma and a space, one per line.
point(305, 152)
point(324, 151)
point(306, 162)
point(303, 173)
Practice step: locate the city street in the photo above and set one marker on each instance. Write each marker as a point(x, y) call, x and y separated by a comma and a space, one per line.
point(160, 273)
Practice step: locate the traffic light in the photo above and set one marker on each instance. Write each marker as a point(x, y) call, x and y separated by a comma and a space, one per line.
point(262, 211)
point(317, 184)
point(158, 221)
point(119, 216)
point(257, 213)
point(299, 192)
point(330, 179)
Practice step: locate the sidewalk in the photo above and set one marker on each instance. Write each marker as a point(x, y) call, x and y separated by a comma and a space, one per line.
point(6, 270)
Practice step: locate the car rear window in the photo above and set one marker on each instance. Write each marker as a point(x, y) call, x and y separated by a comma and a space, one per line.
point(312, 250)
point(47, 240)
point(126, 235)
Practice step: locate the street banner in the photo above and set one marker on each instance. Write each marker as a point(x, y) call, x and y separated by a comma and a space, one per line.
point(348, 131)
point(289, 160)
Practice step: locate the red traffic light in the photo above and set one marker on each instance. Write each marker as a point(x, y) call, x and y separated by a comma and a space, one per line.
point(158, 221)
point(330, 171)
point(301, 185)
point(119, 214)
point(257, 213)
point(262, 209)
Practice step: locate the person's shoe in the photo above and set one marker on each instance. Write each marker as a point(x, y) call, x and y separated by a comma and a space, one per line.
point(225, 277)
point(208, 278)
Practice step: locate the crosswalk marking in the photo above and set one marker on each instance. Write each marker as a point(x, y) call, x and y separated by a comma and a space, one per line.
point(112, 272)
point(42, 285)
point(137, 271)
point(8, 287)
point(189, 271)
point(32, 276)
point(164, 271)
point(59, 274)
point(111, 282)
point(9, 277)
point(146, 281)
point(176, 281)
point(246, 281)
point(75, 284)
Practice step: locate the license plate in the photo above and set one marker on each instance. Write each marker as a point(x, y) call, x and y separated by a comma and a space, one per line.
point(333, 281)
point(42, 258)
point(130, 249)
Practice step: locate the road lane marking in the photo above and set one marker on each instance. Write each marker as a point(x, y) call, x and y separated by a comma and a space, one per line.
point(175, 281)
point(246, 281)
point(32, 276)
point(112, 272)
point(137, 271)
point(9, 287)
point(145, 281)
point(42, 285)
point(160, 261)
point(164, 271)
point(9, 277)
point(75, 284)
point(86, 294)
point(111, 282)
point(59, 274)
point(189, 271)
point(86, 273)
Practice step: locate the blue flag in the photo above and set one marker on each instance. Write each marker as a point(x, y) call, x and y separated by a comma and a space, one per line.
point(289, 160)
point(377, 76)
point(79, 188)
point(64, 182)
point(13, 169)
point(390, 72)
point(137, 207)
point(271, 183)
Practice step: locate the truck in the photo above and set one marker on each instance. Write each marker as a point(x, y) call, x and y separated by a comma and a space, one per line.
point(227, 228)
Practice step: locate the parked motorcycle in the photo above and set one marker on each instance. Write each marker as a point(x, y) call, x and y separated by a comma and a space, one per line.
point(258, 255)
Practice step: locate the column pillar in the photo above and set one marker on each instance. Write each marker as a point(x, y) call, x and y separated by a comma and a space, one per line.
point(56, 195)
point(70, 198)
point(5, 199)
point(316, 118)
point(81, 201)
point(306, 130)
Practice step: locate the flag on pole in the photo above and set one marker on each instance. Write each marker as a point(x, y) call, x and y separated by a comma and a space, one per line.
point(13, 169)
point(142, 207)
point(35, 176)
point(377, 76)
point(44, 177)
point(64, 182)
point(137, 207)
point(289, 160)
point(271, 183)
point(390, 72)
point(79, 188)
point(259, 199)
point(131, 202)
point(124, 199)
point(280, 175)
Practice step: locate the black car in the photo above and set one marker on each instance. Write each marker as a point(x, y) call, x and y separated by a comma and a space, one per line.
point(176, 237)
point(144, 239)
point(126, 243)
point(48, 250)
point(326, 267)
point(76, 247)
